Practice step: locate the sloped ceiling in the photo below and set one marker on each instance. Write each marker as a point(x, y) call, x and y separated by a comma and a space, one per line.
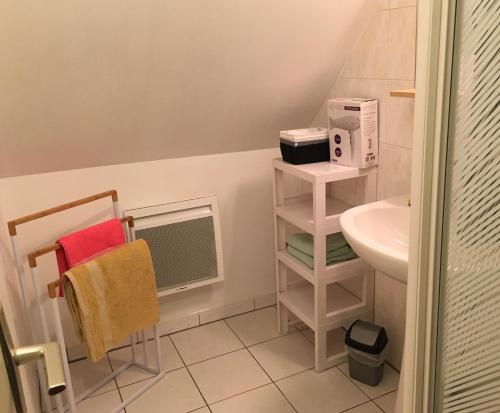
point(91, 82)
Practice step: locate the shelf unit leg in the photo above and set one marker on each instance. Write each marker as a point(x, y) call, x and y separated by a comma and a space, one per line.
point(319, 332)
point(320, 350)
point(319, 214)
point(282, 310)
point(280, 245)
point(282, 319)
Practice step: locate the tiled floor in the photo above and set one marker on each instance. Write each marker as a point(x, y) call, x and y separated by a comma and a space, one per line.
point(240, 364)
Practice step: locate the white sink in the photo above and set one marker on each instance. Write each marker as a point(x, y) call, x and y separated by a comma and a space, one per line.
point(379, 233)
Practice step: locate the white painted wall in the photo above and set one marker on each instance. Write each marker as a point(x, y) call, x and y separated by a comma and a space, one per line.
point(88, 83)
point(241, 181)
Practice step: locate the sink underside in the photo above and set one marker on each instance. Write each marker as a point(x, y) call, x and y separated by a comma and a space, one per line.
point(379, 233)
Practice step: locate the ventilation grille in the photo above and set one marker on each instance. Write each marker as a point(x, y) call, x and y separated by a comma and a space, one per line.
point(185, 243)
point(470, 307)
point(183, 252)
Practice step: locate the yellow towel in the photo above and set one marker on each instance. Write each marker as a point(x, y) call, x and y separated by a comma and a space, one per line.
point(112, 297)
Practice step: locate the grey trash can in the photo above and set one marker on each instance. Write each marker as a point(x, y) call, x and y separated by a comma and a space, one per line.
point(366, 345)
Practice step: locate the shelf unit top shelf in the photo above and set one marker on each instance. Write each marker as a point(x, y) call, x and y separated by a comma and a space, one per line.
point(322, 172)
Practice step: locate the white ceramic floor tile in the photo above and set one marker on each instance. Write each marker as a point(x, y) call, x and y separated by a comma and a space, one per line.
point(175, 393)
point(103, 403)
point(387, 402)
point(311, 392)
point(334, 340)
point(257, 326)
point(229, 310)
point(228, 375)
point(369, 407)
point(202, 410)
point(169, 355)
point(388, 384)
point(285, 356)
point(204, 342)
point(84, 374)
point(267, 399)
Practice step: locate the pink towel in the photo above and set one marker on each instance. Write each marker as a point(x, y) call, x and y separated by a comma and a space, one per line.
point(87, 244)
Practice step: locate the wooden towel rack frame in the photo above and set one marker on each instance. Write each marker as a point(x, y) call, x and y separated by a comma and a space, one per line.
point(51, 287)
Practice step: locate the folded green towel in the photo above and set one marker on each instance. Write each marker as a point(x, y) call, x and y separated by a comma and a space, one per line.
point(305, 244)
point(342, 254)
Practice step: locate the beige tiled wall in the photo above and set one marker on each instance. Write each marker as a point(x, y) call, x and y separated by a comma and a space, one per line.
point(384, 60)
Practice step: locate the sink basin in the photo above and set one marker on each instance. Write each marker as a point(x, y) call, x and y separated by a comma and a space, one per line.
point(379, 233)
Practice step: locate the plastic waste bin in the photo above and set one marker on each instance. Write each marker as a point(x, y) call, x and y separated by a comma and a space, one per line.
point(366, 345)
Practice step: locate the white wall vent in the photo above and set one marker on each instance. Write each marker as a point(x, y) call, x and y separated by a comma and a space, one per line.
point(185, 242)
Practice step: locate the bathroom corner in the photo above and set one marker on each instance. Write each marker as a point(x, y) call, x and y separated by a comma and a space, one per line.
point(383, 60)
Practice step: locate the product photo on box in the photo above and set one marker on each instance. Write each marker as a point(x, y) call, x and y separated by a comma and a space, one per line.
point(353, 131)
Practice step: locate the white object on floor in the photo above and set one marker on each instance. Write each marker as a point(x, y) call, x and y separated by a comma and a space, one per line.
point(72, 401)
point(37, 311)
point(102, 402)
point(84, 374)
point(170, 360)
point(175, 392)
point(319, 301)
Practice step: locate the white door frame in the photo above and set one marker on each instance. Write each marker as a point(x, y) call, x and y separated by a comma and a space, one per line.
point(435, 30)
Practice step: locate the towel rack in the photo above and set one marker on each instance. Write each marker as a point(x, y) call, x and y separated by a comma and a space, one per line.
point(32, 260)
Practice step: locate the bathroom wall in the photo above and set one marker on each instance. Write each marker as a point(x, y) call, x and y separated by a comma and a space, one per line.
point(242, 183)
point(383, 60)
point(97, 83)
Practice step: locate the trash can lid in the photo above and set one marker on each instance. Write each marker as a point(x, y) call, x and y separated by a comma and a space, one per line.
point(366, 337)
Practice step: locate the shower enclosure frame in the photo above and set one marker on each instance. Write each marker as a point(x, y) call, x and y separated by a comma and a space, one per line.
point(436, 31)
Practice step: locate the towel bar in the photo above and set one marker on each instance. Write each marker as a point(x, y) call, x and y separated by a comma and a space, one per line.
point(32, 259)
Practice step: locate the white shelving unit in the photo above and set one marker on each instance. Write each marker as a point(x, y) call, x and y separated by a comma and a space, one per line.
point(319, 300)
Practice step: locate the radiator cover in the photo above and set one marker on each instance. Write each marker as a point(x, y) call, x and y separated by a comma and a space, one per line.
point(185, 243)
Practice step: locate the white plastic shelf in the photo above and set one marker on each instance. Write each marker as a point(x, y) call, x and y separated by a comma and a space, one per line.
point(299, 212)
point(319, 300)
point(321, 172)
point(340, 304)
